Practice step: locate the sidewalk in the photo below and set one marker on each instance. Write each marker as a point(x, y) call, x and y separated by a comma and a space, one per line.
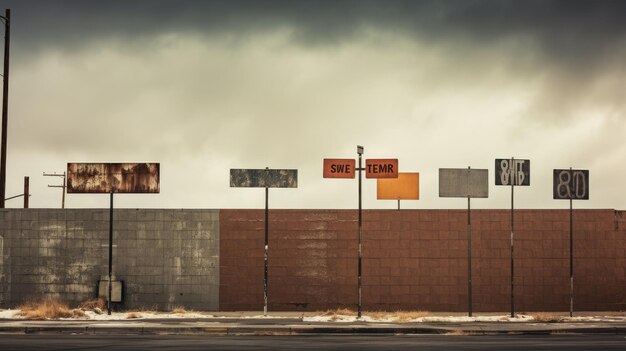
point(296, 323)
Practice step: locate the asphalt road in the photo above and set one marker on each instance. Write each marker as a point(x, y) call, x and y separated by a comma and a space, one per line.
point(315, 342)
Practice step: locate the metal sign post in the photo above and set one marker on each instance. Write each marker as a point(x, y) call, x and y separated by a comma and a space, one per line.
point(264, 178)
point(359, 150)
point(570, 184)
point(374, 168)
point(110, 178)
point(469, 259)
point(266, 248)
point(465, 183)
point(110, 282)
point(514, 173)
point(26, 191)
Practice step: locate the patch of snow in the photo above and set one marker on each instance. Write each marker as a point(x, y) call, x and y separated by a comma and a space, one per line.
point(390, 318)
point(9, 314)
point(386, 318)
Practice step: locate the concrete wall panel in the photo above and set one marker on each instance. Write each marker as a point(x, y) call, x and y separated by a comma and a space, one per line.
point(166, 258)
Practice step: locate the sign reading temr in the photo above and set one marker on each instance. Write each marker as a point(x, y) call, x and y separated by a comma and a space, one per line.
point(263, 178)
point(339, 168)
point(570, 184)
point(113, 177)
point(518, 169)
point(381, 168)
point(463, 182)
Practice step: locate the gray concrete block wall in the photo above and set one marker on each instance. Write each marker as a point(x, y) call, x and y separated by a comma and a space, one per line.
point(166, 258)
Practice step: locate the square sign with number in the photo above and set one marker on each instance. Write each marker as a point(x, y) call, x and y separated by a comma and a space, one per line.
point(570, 184)
point(512, 172)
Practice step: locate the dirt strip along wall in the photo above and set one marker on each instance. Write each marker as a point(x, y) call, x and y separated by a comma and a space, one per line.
point(417, 260)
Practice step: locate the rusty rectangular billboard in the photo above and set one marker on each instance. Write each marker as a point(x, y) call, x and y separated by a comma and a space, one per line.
point(113, 178)
point(263, 178)
point(405, 187)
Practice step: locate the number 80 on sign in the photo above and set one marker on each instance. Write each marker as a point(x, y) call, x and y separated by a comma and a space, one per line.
point(570, 184)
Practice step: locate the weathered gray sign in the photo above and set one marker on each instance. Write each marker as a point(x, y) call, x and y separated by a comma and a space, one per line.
point(113, 177)
point(463, 182)
point(263, 178)
point(512, 172)
point(570, 184)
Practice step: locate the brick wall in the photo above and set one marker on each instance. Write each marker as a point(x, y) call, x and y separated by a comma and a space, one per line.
point(412, 259)
point(417, 259)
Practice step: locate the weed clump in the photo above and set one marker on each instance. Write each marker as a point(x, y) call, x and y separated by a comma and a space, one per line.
point(49, 308)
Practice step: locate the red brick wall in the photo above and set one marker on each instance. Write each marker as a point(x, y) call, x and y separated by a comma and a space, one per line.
point(417, 259)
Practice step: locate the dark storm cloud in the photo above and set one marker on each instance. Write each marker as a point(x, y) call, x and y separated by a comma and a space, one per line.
point(576, 31)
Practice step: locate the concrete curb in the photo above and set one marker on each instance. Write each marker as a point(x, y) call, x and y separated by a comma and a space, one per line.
point(303, 330)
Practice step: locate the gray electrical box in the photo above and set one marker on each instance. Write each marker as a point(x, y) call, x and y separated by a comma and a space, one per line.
point(116, 289)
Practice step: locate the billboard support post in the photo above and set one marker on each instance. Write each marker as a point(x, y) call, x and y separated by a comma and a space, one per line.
point(26, 191)
point(359, 150)
point(512, 178)
point(266, 252)
point(110, 284)
point(469, 259)
point(571, 250)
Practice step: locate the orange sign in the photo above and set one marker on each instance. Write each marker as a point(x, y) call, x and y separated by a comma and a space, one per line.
point(405, 187)
point(339, 167)
point(381, 168)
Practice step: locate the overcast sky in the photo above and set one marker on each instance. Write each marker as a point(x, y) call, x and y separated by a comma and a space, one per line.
point(205, 86)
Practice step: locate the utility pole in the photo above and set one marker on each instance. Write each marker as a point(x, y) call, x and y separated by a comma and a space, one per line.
point(58, 186)
point(5, 102)
point(26, 191)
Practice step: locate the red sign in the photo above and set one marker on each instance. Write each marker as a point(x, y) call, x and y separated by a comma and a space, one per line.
point(339, 167)
point(381, 168)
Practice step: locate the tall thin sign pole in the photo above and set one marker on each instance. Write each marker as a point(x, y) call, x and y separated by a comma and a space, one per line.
point(360, 152)
point(266, 247)
point(63, 189)
point(5, 106)
point(109, 288)
point(512, 180)
point(469, 259)
point(26, 191)
point(571, 246)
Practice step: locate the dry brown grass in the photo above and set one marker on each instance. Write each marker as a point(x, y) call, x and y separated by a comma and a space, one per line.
point(93, 305)
point(179, 310)
point(48, 309)
point(400, 316)
point(131, 315)
point(546, 317)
